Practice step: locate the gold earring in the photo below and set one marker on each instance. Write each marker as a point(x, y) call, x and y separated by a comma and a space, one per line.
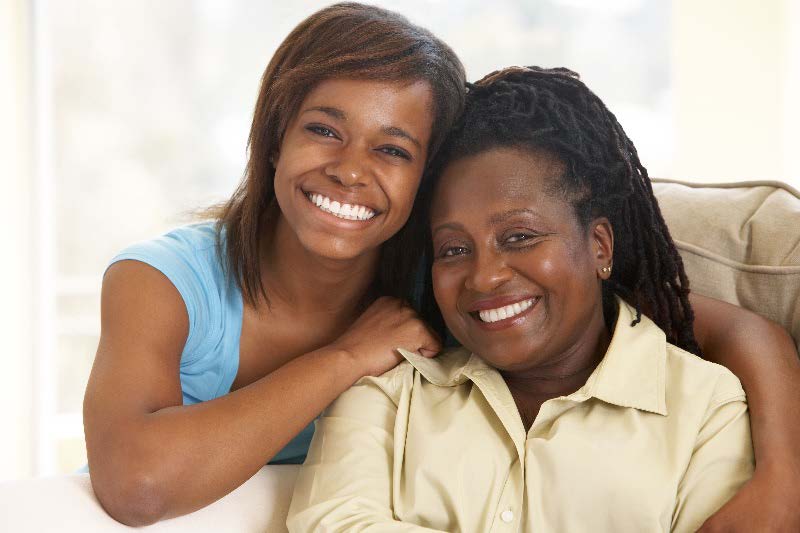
point(605, 269)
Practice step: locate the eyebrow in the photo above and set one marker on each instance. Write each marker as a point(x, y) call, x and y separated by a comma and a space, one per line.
point(392, 131)
point(494, 219)
point(447, 225)
point(331, 111)
point(502, 217)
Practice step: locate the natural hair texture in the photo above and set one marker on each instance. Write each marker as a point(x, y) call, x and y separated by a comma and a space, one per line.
point(551, 110)
point(351, 41)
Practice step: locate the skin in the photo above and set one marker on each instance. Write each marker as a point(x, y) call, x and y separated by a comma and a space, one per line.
point(763, 356)
point(152, 457)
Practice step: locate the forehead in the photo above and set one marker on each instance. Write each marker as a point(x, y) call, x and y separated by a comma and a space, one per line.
point(408, 101)
point(498, 178)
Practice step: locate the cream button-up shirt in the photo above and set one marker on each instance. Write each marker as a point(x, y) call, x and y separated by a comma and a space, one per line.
point(656, 440)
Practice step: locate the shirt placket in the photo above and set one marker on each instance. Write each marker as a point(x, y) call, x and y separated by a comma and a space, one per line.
point(508, 513)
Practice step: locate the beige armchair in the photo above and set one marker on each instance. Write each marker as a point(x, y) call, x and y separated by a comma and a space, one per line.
point(740, 243)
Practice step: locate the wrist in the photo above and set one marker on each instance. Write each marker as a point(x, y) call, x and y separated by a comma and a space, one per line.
point(780, 473)
point(344, 364)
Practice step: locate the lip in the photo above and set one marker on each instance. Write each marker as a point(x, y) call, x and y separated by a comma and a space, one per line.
point(501, 302)
point(332, 219)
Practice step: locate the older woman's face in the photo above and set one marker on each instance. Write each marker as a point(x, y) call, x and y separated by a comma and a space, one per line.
point(515, 275)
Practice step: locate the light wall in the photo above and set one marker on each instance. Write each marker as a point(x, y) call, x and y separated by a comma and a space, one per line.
point(16, 287)
point(734, 64)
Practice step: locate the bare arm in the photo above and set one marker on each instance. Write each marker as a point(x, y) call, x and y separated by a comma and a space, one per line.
point(151, 457)
point(763, 356)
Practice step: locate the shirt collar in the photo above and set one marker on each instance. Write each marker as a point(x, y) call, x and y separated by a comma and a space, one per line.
point(632, 373)
point(448, 369)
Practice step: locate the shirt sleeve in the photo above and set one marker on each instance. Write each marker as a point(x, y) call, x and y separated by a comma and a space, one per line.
point(346, 481)
point(722, 460)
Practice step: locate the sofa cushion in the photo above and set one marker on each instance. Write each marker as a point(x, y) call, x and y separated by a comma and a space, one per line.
point(740, 242)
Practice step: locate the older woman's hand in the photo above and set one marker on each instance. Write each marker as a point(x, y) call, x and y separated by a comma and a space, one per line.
point(768, 502)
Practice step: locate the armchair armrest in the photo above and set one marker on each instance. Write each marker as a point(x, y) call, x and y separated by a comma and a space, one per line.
point(67, 503)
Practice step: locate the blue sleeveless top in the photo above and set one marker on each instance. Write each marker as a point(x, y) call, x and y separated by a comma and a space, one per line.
point(189, 258)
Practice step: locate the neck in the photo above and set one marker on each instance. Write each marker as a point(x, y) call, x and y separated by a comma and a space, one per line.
point(296, 278)
point(563, 374)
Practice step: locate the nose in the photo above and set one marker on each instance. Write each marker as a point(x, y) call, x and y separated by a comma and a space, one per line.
point(347, 168)
point(488, 271)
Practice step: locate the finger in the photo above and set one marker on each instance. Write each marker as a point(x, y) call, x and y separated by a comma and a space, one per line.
point(425, 352)
point(430, 347)
point(431, 339)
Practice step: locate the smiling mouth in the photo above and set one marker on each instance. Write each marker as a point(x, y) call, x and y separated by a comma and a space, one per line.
point(340, 210)
point(506, 312)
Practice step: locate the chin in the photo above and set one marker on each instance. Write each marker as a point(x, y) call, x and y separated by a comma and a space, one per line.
point(509, 356)
point(506, 362)
point(335, 248)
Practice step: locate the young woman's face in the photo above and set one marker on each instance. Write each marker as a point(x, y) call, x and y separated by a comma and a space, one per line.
point(515, 274)
point(350, 163)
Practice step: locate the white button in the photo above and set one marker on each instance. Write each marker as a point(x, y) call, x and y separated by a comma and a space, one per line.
point(507, 516)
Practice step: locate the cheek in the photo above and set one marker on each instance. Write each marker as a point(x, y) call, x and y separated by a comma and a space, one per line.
point(296, 161)
point(446, 282)
point(578, 279)
point(560, 270)
point(551, 268)
point(402, 189)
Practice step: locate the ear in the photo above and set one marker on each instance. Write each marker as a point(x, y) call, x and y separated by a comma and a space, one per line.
point(602, 242)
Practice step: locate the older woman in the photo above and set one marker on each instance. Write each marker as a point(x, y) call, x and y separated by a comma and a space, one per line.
point(575, 403)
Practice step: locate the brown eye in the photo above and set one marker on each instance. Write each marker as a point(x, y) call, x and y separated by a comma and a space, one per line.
point(395, 152)
point(518, 237)
point(322, 131)
point(453, 251)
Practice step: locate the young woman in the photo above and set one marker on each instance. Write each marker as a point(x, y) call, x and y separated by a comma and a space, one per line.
point(574, 404)
point(221, 342)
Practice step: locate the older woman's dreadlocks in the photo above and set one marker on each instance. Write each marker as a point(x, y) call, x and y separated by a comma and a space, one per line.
point(552, 110)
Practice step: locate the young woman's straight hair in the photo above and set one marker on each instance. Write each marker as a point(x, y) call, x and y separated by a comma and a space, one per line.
point(349, 41)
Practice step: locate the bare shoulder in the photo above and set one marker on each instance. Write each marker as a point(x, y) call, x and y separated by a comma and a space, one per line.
point(136, 297)
point(144, 326)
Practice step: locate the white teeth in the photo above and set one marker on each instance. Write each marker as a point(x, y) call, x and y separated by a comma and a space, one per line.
point(346, 211)
point(508, 311)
